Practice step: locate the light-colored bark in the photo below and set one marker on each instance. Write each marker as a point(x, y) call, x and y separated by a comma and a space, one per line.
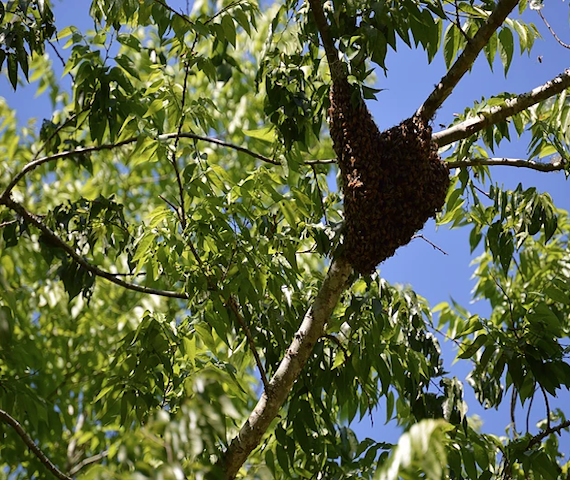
point(311, 330)
point(509, 162)
point(500, 113)
point(466, 59)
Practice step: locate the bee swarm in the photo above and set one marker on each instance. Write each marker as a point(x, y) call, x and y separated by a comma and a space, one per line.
point(393, 181)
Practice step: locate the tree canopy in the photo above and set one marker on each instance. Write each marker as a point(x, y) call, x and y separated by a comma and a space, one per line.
point(181, 294)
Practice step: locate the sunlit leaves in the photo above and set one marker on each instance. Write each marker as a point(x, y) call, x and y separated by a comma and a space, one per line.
point(24, 28)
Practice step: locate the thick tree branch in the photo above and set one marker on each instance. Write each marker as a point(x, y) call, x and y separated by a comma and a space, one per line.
point(499, 113)
point(6, 418)
point(301, 348)
point(510, 162)
point(111, 146)
point(54, 238)
point(466, 59)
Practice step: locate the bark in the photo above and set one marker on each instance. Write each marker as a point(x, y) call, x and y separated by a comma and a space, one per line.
point(37, 451)
point(312, 328)
point(500, 113)
point(464, 62)
point(510, 162)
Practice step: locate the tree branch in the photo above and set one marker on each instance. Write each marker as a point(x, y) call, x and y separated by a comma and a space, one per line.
point(336, 67)
point(510, 162)
point(235, 309)
point(54, 238)
point(88, 461)
point(565, 45)
point(268, 406)
point(111, 146)
point(498, 113)
point(464, 62)
point(37, 451)
point(542, 435)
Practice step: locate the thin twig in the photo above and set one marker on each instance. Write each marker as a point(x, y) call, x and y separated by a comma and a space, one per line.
point(175, 12)
point(56, 131)
point(88, 461)
point(235, 309)
point(60, 59)
point(458, 23)
point(111, 146)
point(542, 435)
point(8, 223)
point(509, 162)
point(528, 413)
point(547, 405)
point(173, 160)
point(481, 191)
point(170, 204)
point(513, 406)
point(430, 242)
point(37, 451)
point(56, 240)
point(565, 45)
point(320, 193)
point(320, 162)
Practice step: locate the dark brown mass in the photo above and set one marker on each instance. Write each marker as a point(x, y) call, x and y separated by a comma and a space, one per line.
point(393, 181)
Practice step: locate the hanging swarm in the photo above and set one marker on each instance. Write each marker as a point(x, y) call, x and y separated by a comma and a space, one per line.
point(393, 181)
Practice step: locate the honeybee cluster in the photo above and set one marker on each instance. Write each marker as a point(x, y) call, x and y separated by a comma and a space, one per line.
point(393, 181)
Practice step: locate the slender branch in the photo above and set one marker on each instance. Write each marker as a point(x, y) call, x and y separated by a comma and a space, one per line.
point(173, 160)
point(466, 59)
point(9, 222)
point(430, 242)
point(37, 451)
point(111, 146)
point(235, 309)
point(58, 55)
point(175, 12)
point(510, 162)
point(565, 45)
point(55, 132)
point(56, 240)
point(169, 203)
point(297, 355)
point(542, 435)
point(88, 461)
point(547, 405)
point(528, 412)
point(320, 162)
point(497, 114)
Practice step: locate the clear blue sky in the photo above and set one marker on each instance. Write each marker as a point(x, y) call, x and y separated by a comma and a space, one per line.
point(410, 79)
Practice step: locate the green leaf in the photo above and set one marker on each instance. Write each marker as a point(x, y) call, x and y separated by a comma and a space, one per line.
point(506, 48)
point(451, 40)
point(265, 134)
point(13, 70)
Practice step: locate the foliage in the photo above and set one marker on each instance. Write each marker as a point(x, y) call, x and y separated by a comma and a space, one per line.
point(166, 230)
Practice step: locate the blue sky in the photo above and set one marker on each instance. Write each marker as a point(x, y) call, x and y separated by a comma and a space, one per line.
point(410, 79)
